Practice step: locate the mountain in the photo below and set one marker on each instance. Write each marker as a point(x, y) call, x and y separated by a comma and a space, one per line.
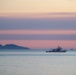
point(12, 46)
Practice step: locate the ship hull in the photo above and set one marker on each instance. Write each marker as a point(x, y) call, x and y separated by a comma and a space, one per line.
point(56, 51)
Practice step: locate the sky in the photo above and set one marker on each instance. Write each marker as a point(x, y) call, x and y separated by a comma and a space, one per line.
point(38, 23)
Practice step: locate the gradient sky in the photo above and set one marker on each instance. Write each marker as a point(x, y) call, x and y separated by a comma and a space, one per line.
point(38, 23)
point(20, 6)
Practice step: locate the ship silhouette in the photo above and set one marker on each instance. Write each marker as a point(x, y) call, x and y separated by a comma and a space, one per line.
point(59, 49)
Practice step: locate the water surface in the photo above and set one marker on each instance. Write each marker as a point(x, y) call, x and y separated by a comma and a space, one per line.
point(31, 62)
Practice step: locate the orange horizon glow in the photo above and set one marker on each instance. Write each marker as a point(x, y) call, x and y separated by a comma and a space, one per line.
point(9, 6)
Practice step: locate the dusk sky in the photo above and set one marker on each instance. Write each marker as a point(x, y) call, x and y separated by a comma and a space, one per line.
point(38, 23)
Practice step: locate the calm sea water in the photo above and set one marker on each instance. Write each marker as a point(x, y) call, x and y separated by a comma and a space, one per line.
point(37, 63)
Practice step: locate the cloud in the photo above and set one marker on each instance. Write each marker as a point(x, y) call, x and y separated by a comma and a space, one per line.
point(38, 37)
point(39, 15)
point(37, 24)
point(37, 32)
point(61, 13)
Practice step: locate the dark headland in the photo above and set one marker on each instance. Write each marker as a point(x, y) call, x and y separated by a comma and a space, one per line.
point(12, 46)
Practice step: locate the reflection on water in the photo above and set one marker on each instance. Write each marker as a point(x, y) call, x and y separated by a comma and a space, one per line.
point(37, 63)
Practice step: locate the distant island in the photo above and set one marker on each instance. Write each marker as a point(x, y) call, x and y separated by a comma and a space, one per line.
point(12, 46)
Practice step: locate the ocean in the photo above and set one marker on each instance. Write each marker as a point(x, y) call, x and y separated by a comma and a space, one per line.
point(37, 62)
